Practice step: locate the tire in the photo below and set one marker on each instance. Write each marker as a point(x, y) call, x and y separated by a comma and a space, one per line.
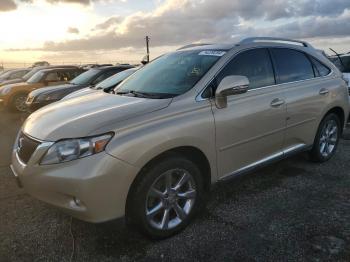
point(327, 139)
point(18, 103)
point(168, 220)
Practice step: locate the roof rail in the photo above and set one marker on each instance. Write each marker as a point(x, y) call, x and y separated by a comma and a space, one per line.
point(192, 45)
point(274, 39)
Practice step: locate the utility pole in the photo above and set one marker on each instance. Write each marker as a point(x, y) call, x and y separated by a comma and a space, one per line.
point(147, 47)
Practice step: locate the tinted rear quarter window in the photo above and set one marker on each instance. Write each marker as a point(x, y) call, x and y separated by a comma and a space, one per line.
point(319, 68)
point(254, 64)
point(291, 65)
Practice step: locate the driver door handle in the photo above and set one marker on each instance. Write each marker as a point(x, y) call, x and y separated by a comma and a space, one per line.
point(324, 91)
point(277, 102)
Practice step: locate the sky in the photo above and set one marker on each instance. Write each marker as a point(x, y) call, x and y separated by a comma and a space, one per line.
point(82, 31)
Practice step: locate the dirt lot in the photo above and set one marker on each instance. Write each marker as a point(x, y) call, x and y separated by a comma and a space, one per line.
point(294, 210)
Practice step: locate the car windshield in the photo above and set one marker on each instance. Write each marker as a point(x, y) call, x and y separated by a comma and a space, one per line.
point(115, 79)
point(7, 74)
point(85, 78)
point(36, 77)
point(343, 65)
point(170, 75)
point(32, 72)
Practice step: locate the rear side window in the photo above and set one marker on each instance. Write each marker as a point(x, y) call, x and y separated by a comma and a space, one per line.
point(254, 64)
point(319, 68)
point(292, 65)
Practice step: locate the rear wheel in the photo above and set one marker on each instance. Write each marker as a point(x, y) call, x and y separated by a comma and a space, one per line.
point(166, 198)
point(327, 138)
point(18, 103)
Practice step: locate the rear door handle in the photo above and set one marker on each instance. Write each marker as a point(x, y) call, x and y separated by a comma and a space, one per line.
point(277, 102)
point(324, 91)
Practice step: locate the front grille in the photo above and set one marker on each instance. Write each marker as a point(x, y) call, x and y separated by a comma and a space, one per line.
point(26, 147)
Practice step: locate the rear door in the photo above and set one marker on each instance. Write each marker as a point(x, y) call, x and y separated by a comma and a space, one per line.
point(250, 129)
point(306, 93)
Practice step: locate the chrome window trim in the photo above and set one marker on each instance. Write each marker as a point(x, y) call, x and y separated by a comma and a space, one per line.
point(199, 97)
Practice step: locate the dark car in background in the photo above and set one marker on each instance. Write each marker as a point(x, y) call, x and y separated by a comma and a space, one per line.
point(107, 85)
point(13, 74)
point(343, 63)
point(33, 71)
point(48, 95)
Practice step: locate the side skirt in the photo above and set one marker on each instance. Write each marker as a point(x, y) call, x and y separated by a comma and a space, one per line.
point(267, 161)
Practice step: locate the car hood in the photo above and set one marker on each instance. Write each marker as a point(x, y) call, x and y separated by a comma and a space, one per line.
point(19, 85)
point(82, 92)
point(50, 89)
point(82, 116)
point(13, 81)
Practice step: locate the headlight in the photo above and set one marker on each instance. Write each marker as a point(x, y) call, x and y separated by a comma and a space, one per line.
point(72, 149)
point(5, 90)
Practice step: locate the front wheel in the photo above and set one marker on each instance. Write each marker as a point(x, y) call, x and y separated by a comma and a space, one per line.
point(327, 138)
point(18, 103)
point(166, 197)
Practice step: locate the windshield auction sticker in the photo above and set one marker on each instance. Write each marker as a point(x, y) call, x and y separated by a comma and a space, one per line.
point(212, 53)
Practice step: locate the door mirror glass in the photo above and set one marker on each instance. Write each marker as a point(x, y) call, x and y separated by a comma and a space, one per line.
point(232, 85)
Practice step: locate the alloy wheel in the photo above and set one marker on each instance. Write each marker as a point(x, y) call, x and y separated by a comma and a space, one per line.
point(329, 138)
point(170, 199)
point(20, 103)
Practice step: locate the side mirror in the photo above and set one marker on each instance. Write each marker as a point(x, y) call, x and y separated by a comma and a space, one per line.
point(145, 60)
point(230, 85)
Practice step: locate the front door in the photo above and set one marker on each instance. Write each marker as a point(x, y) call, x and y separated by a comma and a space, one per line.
point(250, 129)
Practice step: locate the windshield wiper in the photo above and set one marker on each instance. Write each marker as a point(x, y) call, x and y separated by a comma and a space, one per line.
point(146, 94)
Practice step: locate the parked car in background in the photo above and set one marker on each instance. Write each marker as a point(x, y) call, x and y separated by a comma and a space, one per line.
point(41, 63)
point(13, 74)
point(48, 95)
point(14, 96)
point(107, 85)
point(33, 71)
point(343, 63)
point(184, 121)
point(4, 71)
point(89, 66)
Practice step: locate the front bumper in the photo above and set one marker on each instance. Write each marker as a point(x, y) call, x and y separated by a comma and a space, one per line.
point(92, 189)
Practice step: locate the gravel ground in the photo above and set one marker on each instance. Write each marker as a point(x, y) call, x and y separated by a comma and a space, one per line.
point(294, 210)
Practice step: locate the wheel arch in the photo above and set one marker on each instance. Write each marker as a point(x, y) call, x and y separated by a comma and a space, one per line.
point(337, 110)
point(190, 152)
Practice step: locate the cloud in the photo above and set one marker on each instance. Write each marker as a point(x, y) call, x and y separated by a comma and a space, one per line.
point(7, 5)
point(178, 22)
point(113, 21)
point(73, 30)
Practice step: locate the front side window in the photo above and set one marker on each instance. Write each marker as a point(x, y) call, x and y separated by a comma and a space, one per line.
point(254, 64)
point(291, 65)
point(52, 77)
point(172, 74)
